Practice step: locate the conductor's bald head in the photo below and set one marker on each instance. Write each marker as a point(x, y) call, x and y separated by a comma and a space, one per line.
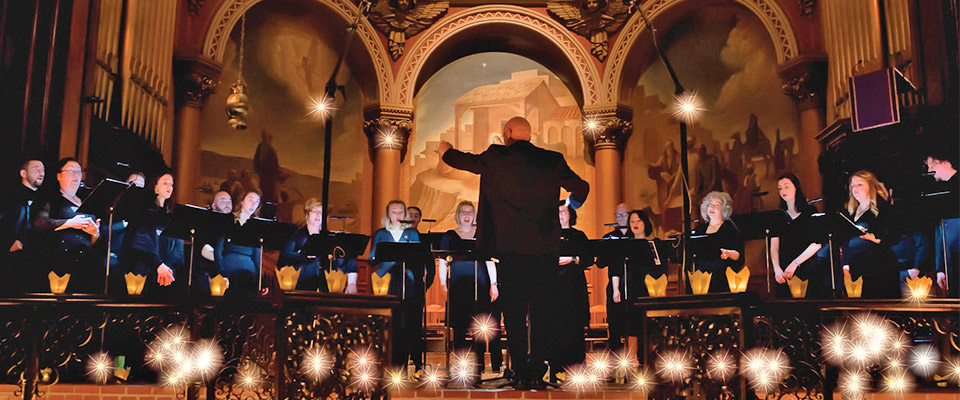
point(517, 128)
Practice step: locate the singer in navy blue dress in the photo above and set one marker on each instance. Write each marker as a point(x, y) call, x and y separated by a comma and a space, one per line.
point(240, 263)
point(292, 255)
point(469, 290)
point(411, 289)
point(147, 216)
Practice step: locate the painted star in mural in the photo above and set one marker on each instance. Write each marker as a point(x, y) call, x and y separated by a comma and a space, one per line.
point(399, 19)
point(592, 19)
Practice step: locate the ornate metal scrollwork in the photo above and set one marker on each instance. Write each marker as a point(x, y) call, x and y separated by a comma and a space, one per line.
point(340, 335)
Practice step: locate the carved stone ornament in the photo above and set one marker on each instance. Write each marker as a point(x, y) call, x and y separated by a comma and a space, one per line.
point(388, 132)
point(400, 19)
point(196, 79)
point(592, 19)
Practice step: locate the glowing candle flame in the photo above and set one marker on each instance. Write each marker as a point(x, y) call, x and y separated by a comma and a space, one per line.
point(924, 360)
point(316, 364)
point(395, 380)
point(483, 328)
point(673, 365)
point(100, 367)
point(721, 366)
point(853, 383)
point(898, 383)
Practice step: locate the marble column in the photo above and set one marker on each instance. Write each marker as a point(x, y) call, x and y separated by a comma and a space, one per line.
point(387, 134)
point(197, 78)
point(606, 132)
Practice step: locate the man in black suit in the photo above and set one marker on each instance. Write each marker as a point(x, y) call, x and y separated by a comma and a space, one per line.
point(16, 227)
point(518, 224)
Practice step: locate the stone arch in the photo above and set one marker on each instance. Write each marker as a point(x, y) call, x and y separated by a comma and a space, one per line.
point(228, 15)
point(537, 37)
point(767, 11)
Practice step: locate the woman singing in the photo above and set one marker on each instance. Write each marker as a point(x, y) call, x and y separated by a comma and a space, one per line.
point(68, 235)
point(571, 307)
point(148, 215)
point(311, 277)
point(469, 290)
point(240, 263)
point(795, 242)
point(631, 286)
point(410, 288)
point(869, 255)
point(721, 245)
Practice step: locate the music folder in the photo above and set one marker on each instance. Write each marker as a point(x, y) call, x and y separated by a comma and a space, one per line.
point(186, 217)
point(106, 196)
point(274, 234)
point(340, 245)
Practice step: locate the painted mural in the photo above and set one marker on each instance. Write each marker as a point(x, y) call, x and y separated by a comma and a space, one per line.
point(466, 103)
point(287, 61)
point(744, 140)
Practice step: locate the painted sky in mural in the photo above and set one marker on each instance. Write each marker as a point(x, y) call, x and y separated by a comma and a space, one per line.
point(745, 139)
point(287, 61)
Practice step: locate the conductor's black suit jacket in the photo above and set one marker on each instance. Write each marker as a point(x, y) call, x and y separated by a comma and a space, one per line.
point(519, 188)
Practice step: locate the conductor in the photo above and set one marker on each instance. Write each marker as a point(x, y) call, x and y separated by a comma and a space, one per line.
point(517, 223)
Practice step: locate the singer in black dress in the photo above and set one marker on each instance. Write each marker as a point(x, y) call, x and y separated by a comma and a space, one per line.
point(870, 255)
point(793, 246)
point(722, 234)
point(571, 306)
point(311, 276)
point(67, 236)
point(147, 215)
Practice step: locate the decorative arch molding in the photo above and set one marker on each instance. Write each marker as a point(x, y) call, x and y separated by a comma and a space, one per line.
point(230, 11)
point(539, 24)
point(768, 11)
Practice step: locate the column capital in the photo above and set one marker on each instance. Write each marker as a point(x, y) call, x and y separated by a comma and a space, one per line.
point(388, 128)
point(805, 80)
point(607, 128)
point(196, 79)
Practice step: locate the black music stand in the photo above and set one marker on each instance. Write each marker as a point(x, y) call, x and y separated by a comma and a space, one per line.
point(186, 220)
point(263, 233)
point(762, 225)
point(829, 226)
point(417, 253)
point(625, 249)
point(103, 202)
point(334, 246)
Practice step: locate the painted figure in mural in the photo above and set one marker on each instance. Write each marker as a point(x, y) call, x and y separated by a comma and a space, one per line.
point(666, 173)
point(782, 154)
point(757, 144)
point(232, 184)
point(267, 165)
point(518, 224)
point(707, 174)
